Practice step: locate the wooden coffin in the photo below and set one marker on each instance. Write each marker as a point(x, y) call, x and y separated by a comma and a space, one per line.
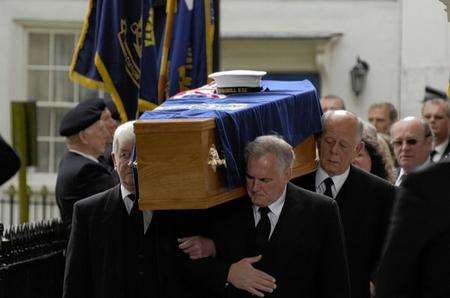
point(173, 169)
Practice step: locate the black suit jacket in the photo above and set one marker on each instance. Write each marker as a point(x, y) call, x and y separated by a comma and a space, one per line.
point(365, 203)
point(9, 161)
point(306, 252)
point(446, 152)
point(95, 260)
point(416, 261)
point(79, 178)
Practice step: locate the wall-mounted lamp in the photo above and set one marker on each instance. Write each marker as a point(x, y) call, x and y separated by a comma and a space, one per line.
point(359, 75)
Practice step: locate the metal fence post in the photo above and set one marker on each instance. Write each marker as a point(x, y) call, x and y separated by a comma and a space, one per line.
point(11, 193)
point(44, 194)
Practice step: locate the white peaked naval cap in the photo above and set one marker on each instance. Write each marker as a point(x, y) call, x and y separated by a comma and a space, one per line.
point(238, 78)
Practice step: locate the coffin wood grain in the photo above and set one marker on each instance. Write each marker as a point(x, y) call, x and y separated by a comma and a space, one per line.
point(173, 165)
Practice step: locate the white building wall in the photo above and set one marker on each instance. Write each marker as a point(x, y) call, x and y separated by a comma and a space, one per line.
point(12, 49)
point(16, 15)
point(424, 51)
point(370, 29)
point(392, 36)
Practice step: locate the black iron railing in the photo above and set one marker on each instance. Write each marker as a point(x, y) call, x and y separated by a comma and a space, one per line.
point(32, 260)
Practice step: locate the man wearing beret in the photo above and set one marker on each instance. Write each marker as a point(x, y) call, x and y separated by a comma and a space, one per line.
point(112, 121)
point(80, 173)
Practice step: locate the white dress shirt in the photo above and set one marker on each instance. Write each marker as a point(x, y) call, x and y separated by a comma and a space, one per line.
point(274, 214)
point(147, 214)
point(338, 181)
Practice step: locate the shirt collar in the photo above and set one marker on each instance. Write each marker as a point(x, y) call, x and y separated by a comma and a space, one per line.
point(126, 200)
point(88, 156)
point(276, 206)
point(441, 148)
point(338, 180)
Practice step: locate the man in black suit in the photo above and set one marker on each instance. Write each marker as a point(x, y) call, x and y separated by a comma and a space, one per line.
point(436, 112)
point(416, 261)
point(116, 250)
point(9, 161)
point(280, 241)
point(80, 174)
point(364, 200)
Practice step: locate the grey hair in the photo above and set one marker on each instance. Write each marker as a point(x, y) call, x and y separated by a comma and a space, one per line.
point(438, 101)
point(359, 125)
point(393, 113)
point(368, 129)
point(267, 144)
point(123, 133)
point(335, 97)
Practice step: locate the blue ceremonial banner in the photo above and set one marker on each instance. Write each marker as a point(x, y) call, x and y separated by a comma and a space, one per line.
point(131, 49)
point(108, 53)
point(153, 29)
point(290, 109)
point(190, 58)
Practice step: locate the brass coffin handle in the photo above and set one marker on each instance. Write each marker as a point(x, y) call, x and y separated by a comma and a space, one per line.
point(214, 160)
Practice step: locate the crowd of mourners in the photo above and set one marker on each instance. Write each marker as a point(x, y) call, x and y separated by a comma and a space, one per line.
point(372, 220)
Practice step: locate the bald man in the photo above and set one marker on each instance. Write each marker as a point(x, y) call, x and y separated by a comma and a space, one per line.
point(364, 200)
point(412, 140)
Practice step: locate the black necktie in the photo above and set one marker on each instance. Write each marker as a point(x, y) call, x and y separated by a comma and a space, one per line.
point(328, 183)
point(136, 214)
point(262, 229)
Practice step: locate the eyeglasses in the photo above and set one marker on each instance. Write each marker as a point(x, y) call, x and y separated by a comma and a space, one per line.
point(410, 141)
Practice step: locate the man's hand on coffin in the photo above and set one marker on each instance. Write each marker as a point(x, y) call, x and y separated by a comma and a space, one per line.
point(197, 247)
point(244, 276)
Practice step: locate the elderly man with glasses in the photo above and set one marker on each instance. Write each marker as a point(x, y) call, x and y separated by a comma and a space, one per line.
point(412, 140)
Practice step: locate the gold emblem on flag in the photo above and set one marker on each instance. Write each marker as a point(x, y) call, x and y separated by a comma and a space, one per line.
point(133, 53)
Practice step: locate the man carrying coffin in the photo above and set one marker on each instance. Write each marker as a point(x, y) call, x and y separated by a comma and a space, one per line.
point(280, 240)
point(117, 250)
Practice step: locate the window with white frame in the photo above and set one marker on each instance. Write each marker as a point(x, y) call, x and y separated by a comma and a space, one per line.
point(48, 60)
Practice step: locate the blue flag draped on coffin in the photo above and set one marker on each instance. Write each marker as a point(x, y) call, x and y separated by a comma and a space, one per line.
point(190, 57)
point(109, 52)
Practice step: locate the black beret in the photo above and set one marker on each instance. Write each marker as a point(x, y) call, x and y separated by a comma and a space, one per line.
point(112, 108)
point(81, 117)
point(432, 93)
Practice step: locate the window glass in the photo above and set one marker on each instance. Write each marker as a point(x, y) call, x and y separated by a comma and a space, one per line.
point(43, 158)
point(49, 58)
point(38, 49)
point(38, 85)
point(62, 87)
point(59, 114)
point(87, 93)
point(64, 45)
point(43, 121)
